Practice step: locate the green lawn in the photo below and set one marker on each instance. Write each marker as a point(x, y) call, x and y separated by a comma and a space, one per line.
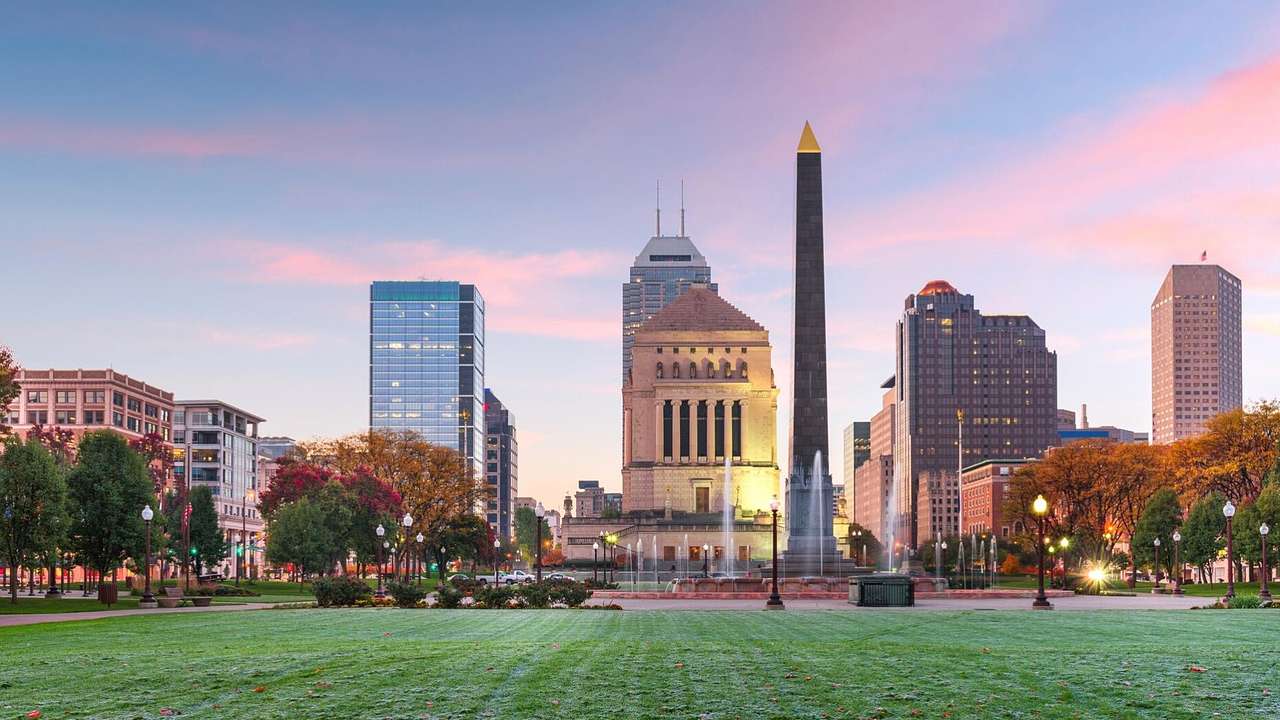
point(606, 664)
point(72, 603)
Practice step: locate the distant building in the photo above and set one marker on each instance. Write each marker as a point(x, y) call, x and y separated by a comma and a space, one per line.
point(1195, 350)
point(873, 479)
point(664, 270)
point(857, 450)
point(501, 465)
point(426, 363)
point(1102, 432)
point(613, 502)
point(271, 450)
point(215, 444)
point(991, 377)
point(1066, 419)
point(701, 393)
point(985, 485)
point(589, 500)
point(85, 400)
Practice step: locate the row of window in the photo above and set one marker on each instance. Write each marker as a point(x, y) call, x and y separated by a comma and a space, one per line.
point(708, 370)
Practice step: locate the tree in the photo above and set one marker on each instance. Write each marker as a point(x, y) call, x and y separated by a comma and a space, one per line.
point(32, 504)
point(293, 480)
point(1136, 472)
point(107, 489)
point(863, 545)
point(207, 539)
point(302, 536)
point(1244, 532)
point(158, 456)
point(9, 387)
point(1159, 519)
point(1202, 531)
point(527, 529)
point(374, 502)
point(1233, 455)
point(60, 443)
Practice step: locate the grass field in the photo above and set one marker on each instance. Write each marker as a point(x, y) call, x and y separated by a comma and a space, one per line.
point(388, 663)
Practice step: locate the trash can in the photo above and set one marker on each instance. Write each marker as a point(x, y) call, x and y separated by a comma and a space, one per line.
point(885, 590)
point(107, 594)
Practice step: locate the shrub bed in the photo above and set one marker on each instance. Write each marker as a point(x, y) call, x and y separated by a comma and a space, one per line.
point(339, 591)
point(406, 595)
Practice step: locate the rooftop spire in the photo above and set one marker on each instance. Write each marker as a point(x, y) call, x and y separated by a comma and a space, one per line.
point(682, 208)
point(808, 143)
point(658, 195)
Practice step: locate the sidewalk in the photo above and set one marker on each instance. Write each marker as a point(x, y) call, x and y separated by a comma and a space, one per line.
point(35, 618)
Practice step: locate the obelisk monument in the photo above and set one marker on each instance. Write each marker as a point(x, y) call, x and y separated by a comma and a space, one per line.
point(811, 547)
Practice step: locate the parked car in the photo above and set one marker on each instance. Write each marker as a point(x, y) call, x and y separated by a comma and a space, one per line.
point(559, 577)
point(465, 578)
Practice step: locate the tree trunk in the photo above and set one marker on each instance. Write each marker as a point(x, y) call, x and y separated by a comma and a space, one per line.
point(1133, 570)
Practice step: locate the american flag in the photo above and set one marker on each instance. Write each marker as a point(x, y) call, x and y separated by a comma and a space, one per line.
point(1204, 256)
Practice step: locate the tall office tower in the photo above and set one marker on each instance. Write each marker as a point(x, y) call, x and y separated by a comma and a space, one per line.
point(873, 480)
point(426, 363)
point(970, 387)
point(664, 270)
point(1195, 350)
point(501, 466)
point(857, 449)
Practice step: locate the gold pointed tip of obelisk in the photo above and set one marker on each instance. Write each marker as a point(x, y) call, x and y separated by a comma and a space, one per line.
point(808, 143)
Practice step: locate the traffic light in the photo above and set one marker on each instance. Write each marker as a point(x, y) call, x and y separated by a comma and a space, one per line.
point(239, 551)
point(195, 551)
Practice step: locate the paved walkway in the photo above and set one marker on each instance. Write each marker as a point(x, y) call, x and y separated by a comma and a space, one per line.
point(34, 618)
point(1074, 602)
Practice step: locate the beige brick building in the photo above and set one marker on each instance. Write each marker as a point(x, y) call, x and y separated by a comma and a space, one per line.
point(1195, 350)
point(700, 390)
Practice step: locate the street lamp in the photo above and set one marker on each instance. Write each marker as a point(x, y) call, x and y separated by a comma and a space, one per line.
point(706, 560)
point(775, 600)
point(858, 534)
point(496, 544)
point(380, 532)
point(420, 557)
point(1040, 507)
point(148, 600)
point(407, 522)
point(1264, 594)
point(1177, 563)
point(937, 557)
point(1155, 577)
point(1229, 511)
point(540, 512)
point(595, 561)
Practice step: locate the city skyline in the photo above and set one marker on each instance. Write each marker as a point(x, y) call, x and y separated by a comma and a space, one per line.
point(281, 206)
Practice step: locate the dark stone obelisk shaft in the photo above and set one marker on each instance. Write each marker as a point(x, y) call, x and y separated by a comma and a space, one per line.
point(809, 409)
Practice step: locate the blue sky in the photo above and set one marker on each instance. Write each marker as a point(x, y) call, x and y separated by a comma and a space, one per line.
point(200, 197)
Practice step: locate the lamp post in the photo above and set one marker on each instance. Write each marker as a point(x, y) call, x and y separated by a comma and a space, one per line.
point(420, 557)
point(380, 532)
point(857, 534)
point(1155, 573)
point(937, 557)
point(1229, 511)
point(540, 512)
point(706, 560)
point(1040, 507)
point(1264, 593)
point(148, 600)
point(496, 544)
point(1177, 563)
point(775, 600)
point(406, 522)
point(1064, 544)
point(595, 561)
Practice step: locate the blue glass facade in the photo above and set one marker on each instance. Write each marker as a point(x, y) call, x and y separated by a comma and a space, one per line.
point(426, 363)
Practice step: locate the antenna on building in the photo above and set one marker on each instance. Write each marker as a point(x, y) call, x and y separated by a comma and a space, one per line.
point(658, 205)
point(682, 208)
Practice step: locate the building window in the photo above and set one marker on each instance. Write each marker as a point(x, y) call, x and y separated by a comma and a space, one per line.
point(95, 397)
point(702, 499)
point(117, 419)
point(693, 371)
point(151, 411)
point(64, 396)
point(64, 417)
point(135, 405)
point(675, 370)
point(117, 399)
point(659, 373)
point(37, 417)
point(132, 424)
point(37, 396)
point(93, 417)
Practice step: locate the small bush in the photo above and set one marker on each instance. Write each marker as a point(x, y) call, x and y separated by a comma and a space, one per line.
point(599, 585)
point(1245, 602)
point(498, 596)
point(406, 595)
point(339, 591)
point(569, 594)
point(233, 591)
point(448, 596)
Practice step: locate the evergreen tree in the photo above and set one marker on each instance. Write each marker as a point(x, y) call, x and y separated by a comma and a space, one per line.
point(107, 489)
point(1245, 535)
point(32, 506)
point(300, 536)
point(1159, 519)
point(1202, 534)
point(526, 531)
point(207, 539)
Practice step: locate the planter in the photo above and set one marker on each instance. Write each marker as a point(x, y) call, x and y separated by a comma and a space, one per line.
point(168, 602)
point(202, 601)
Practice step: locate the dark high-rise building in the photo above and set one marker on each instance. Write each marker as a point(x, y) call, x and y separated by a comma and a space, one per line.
point(501, 465)
point(809, 491)
point(426, 363)
point(970, 387)
point(664, 270)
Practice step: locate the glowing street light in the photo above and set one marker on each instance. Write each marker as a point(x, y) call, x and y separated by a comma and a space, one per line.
point(148, 600)
point(1177, 563)
point(1040, 507)
point(381, 532)
point(1264, 594)
point(775, 600)
point(1229, 511)
point(1155, 573)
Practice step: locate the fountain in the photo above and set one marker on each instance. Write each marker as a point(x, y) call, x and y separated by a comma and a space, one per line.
point(726, 520)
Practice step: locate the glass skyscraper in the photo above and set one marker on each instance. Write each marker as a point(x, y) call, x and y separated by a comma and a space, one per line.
point(667, 267)
point(426, 363)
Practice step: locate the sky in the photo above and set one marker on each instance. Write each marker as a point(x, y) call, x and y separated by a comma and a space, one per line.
point(199, 197)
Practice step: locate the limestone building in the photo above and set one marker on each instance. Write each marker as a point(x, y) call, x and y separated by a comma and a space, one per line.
point(701, 390)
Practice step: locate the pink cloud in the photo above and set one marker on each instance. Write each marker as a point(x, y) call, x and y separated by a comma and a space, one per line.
point(508, 280)
point(1192, 171)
